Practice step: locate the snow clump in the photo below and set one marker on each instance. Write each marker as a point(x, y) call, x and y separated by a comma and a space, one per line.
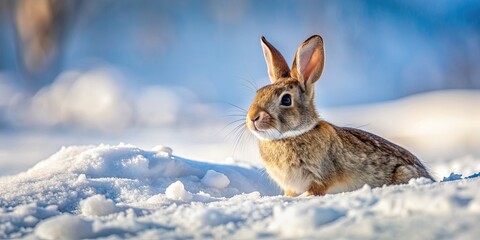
point(65, 226)
point(176, 191)
point(97, 205)
point(215, 179)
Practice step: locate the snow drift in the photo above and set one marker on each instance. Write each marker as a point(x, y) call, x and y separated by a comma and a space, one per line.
point(125, 192)
point(102, 180)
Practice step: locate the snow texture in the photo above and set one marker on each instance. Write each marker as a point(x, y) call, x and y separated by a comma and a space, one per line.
point(123, 191)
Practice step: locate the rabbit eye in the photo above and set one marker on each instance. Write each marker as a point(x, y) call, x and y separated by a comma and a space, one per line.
point(286, 100)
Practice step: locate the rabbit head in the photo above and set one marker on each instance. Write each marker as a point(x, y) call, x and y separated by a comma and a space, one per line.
point(285, 108)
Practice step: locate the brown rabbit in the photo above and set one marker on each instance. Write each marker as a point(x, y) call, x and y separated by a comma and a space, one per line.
point(303, 153)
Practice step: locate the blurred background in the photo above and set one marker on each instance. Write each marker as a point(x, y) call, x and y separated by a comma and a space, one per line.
point(167, 72)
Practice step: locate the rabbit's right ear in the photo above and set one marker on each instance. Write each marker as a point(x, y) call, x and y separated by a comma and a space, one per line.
point(308, 63)
point(277, 66)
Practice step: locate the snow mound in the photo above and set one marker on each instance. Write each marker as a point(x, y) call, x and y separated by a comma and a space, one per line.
point(121, 192)
point(112, 181)
point(64, 227)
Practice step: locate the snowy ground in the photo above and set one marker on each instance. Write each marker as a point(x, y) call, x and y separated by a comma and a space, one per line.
point(149, 192)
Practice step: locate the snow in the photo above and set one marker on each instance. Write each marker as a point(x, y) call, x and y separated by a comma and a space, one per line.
point(300, 220)
point(111, 106)
point(215, 180)
point(97, 205)
point(65, 226)
point(122, 191)
point(177, 191)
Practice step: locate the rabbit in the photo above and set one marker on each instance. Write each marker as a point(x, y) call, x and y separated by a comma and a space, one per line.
point(303, 153)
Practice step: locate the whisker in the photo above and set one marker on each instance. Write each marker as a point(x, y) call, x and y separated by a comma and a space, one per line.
point(361, 126)
point(252, 81)
point(235, 130)
point(238, 138)
point(229, 124)
point(241, 141)
point(235, 106)
point(249, 87)
point(251, 137)
point(234, 115)
point(244, 140)
point(252, 85)
point(271, 125)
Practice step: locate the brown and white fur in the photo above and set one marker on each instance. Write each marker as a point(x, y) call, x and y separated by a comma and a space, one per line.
point(303, 153)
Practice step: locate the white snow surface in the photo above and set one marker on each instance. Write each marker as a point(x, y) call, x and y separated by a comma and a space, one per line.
point(122, 191)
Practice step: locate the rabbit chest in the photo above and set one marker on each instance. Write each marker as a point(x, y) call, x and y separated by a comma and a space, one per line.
point(290, 167)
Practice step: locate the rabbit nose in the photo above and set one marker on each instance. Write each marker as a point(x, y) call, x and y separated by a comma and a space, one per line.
point(256, 117)
point(255, 114)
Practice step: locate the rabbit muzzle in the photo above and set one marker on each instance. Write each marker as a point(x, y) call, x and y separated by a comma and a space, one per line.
point(261, 124)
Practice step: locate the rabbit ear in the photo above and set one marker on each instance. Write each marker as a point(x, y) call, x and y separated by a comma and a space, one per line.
point(277, 66)
point(308, 63)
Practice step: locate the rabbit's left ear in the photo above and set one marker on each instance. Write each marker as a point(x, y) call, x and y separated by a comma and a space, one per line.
point(276, 64)
point(308, 63)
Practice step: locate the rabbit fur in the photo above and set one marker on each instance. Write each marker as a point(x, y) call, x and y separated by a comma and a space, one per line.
point(303, 153)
